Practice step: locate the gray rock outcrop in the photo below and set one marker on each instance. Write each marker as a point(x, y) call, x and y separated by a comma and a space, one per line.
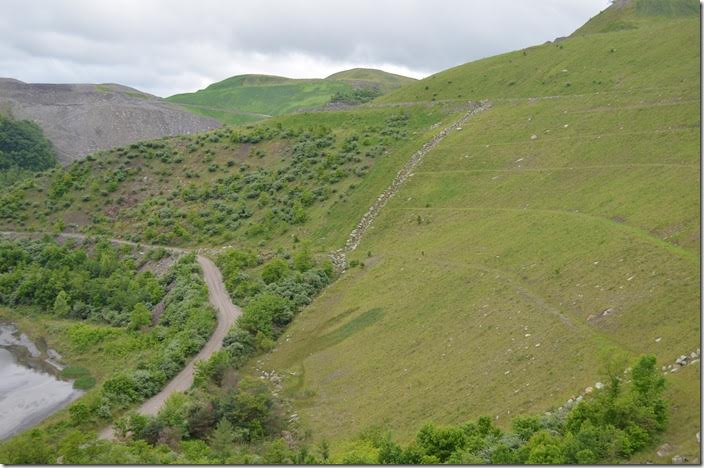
point(80, 119)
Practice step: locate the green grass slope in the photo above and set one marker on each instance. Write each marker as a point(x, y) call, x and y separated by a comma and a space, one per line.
point(547, 232)
point(371, 78)
point(583, 64)
point(247, 98)
point(305, 176)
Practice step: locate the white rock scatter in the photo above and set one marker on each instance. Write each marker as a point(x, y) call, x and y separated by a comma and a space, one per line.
point(339, 257)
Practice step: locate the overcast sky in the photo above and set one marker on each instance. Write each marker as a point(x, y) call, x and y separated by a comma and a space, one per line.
point(170, 46)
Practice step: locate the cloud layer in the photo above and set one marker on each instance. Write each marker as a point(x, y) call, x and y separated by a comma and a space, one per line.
point(170, 46)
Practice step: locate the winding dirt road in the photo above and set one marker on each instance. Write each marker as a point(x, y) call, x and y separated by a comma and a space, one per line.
point(218, 297)
point(227, 313)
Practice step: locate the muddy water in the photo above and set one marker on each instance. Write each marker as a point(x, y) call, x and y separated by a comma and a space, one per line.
point(30, 387)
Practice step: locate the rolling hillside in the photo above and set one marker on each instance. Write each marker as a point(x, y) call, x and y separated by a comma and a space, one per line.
point(370, 78)
point(248, 98)
point(555, 228)
point(304, 176)
point(528, 252)
point(83, 118)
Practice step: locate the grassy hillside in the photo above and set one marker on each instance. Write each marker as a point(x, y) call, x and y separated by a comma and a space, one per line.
point(247, 98)
point(551, 238)
point(545, 234)
point(304, 176)
point(612, 62)
point(369, 77)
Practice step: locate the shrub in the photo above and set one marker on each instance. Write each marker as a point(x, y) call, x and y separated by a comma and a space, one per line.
point(275, 270)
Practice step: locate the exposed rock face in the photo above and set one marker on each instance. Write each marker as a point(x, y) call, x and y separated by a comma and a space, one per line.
point(82, 118)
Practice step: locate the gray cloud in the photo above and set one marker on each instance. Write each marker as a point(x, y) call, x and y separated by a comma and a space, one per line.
point(170, 46)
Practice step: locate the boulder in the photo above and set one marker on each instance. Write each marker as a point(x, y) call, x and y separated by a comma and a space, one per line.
point(664, 450)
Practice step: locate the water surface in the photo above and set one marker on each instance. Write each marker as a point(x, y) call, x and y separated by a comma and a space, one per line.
point(30, 388)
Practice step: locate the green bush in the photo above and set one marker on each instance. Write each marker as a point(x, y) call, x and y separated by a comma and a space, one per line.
point(607, 427)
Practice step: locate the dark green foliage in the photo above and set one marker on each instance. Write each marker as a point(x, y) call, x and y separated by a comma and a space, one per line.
point(140, 317)
point(23, 147)
point(356, 95)
point(30, 448)
point(270, 302)
point(102, 284)
point(275, 270)
point(608, 427)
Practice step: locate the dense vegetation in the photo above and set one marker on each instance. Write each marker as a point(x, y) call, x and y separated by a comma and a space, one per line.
point(355, 96)
point(227, 421)
point(130, 359)
point(224, 418)
point(103, 284)
point(270, 296)
point(23, 149)
point(610, 427)
point(249, 184)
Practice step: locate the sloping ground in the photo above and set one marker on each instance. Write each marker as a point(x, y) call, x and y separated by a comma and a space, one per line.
point(246, 98)
point(545, 234)
point(233, 185)
point(368, 77)
point(583, 64)
point(83, 118)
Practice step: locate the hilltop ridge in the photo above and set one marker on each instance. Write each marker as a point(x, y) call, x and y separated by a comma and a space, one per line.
point(251, 97)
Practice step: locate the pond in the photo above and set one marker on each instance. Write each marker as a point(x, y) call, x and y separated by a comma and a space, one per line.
point(30, 386)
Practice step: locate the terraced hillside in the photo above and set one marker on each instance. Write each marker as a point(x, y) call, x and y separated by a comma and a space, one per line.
point(248, 98)
point(560, 226)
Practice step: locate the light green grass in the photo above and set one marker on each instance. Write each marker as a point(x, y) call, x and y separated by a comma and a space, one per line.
point(250, 97)
point(370, 77)
point(582, 64)
point(521, 236)
point(223, 115)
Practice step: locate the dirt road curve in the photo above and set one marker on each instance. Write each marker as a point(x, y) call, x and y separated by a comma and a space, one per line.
point(226, 312)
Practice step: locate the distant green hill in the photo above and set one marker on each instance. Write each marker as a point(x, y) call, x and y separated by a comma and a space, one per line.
point(369, 77)
point(247, 98)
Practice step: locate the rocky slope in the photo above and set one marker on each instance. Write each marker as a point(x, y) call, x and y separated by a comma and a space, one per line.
point(82, 118)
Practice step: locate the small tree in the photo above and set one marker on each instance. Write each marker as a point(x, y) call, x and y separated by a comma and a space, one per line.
point(61, 306)
point(303, 259)
point(140, 317)
point(222, 438)
point(275, 270)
